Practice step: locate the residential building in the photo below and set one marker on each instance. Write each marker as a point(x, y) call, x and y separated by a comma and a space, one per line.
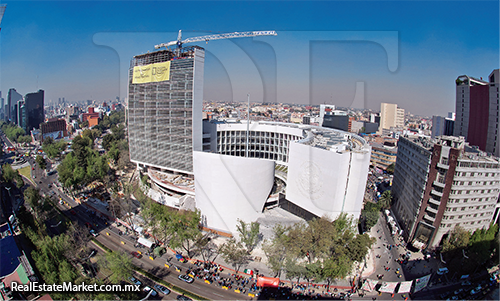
point(391, 116)
point(442, 183)
point(383, 155)
point(477, 111)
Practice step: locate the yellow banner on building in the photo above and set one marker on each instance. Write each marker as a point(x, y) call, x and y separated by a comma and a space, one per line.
point(151, 73)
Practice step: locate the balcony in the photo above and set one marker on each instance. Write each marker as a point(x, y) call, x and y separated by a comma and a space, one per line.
point(435, 192)
point(434, 202)
point(432, 210)
point(428, 219)
point(438, 184)
point(443, 166)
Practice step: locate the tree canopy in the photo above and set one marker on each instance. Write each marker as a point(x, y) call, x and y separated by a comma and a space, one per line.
point(83, 165)
point(320, 249)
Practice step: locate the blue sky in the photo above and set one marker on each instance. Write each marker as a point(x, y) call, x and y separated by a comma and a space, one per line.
point(404, 52)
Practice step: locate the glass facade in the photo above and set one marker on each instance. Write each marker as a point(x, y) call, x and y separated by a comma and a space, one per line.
point(163, 120)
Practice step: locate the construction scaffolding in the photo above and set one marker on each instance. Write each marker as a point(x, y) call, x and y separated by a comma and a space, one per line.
point(161, 113)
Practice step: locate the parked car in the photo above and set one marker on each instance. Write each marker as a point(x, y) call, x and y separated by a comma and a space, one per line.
point(95, 234)
point(183, 298)
point(162, 289)
point(147, 289)
point(135, 281)
point(186, 278)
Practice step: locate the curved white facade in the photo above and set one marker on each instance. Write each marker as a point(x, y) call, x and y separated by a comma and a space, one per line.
point(230, 188)
point(326, 171)
point(327, 183)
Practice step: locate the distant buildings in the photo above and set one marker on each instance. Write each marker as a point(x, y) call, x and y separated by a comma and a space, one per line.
point(477, 111)
point(91, 117)
point(443, 126)
point(442, 183)
point(383, 155)
point(391, 116)
point(54, 128)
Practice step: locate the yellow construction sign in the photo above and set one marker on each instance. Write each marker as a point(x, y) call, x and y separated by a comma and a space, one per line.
point(151, 73)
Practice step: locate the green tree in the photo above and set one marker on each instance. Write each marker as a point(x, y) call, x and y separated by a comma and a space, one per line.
point(249, 234)
point(183, 229)
point(390, 168)
point(120, 265)
point(234, 253)
point(276, 249)
point(385, 200)
point(457, 239)
point(41, 162)
point(8, 173)
point(32, 197)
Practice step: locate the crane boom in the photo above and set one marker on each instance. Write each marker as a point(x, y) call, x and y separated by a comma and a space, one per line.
point(244, 34)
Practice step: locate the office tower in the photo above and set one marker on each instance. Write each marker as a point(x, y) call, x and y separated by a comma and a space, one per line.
point(21, 115)
point(12, 98)
point(34, 110)
point(438, 125)
point(442, 183)
point(165, 102)
point(391, 116)
point(336, 119)
point(477, 110)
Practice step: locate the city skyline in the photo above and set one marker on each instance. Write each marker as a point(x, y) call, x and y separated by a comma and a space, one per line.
point(349, 54)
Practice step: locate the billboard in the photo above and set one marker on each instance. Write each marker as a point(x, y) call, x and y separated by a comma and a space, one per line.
point(421, 282)
point(151, 73)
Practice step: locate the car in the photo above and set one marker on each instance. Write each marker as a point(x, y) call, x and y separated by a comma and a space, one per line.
point(136, 254)
point(50, 185)
point(476, 290)
point(162, 289)
point(72, 212)
point(135, 281)
point(95, 234)
point(186, 278)
point(458, 291)
point(87, 224)
point(183, 298)
point(147, 289)
point(466, 283)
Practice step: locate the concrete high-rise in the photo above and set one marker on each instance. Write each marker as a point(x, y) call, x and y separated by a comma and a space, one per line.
point(165, 102)
point(442, 183)
point(391, 116)
point(477, 111)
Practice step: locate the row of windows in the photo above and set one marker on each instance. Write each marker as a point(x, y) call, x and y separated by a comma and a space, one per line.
point(469, 208)
point(478, 165)
point(475, 174)
point(472, 200)
point(484, 221)
point(476, 183)
point(474, 191)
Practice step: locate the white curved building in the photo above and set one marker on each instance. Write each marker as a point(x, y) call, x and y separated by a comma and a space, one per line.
point(323, 172)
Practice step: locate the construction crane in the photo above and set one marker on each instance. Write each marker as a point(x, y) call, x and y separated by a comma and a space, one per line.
point(179, 42)
point(2, 11)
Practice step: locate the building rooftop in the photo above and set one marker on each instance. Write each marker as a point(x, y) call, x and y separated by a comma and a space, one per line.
point(468, 152)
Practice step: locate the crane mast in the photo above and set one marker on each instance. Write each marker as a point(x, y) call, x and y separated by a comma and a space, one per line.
point(245, 34)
